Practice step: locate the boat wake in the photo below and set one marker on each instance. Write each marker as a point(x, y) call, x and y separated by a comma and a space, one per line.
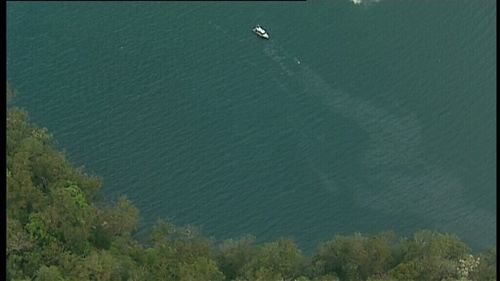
point(410, 183)
point(413, 184)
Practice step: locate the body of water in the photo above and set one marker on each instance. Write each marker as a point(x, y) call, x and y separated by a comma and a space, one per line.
point(351, 118)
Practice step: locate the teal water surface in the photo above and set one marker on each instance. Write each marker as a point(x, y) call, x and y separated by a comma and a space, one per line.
point(351, 118)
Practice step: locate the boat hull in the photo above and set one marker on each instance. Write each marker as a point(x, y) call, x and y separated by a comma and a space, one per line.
point(264, 36)
point(260, 32)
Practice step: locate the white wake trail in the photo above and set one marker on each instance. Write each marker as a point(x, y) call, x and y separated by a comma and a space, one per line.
point(394, 159)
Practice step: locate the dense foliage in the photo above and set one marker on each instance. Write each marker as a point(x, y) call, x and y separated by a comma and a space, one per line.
point(57, 230)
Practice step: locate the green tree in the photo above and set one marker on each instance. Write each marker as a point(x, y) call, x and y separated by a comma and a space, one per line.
point(429, 256)
point(98, 265)
point(487, 268)
point(69, 219)
point(115, 221)
point(355, 257)
point(50, 273)
point(201, 269)
point(175, 250)
point(234, 255)
point(18, 240)
point(327, 277)
point(281, 258)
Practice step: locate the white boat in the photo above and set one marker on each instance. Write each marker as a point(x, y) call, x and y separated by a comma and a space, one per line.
point(261, 32)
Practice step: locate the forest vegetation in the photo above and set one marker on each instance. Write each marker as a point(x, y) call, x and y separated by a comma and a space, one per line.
point(58, 228)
